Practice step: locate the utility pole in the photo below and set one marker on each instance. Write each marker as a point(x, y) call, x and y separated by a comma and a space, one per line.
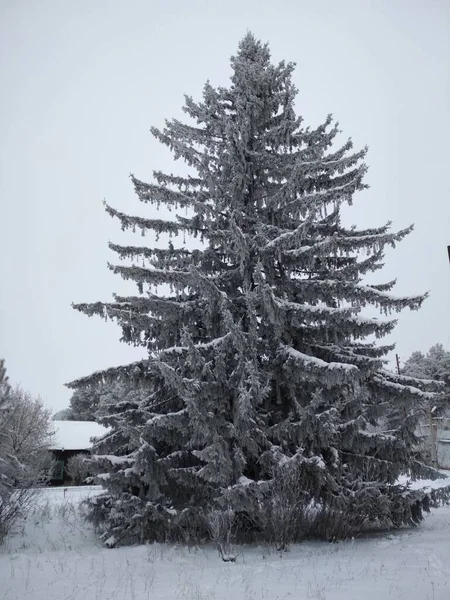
point(397, 362)
point(433, 432)
point(434, 461)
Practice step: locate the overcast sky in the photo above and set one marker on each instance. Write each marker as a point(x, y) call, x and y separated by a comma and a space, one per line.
point(81, 84)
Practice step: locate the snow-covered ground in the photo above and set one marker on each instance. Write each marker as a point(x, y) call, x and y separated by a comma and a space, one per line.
point(54, 555)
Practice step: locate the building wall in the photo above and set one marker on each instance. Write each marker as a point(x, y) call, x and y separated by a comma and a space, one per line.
point(443, 454)
point(443, 444)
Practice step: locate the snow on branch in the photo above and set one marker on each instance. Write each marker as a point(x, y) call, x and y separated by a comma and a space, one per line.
point(363, 240)
point(306, 251)
point(315, 312)
point(179, 148)
point(315, 200)
point(111, 458)
point(201, 346)
point(317, 366)
point(381, 380)
point(157, 225)
point(414, 382)
point(138, 369)
point(346, 354)
point(148, 192)
point(283, 240)
point(152, 301)
point(153, 276)
point(367, 293)
point(153, 253)
point(136, 307)
point(178, 181)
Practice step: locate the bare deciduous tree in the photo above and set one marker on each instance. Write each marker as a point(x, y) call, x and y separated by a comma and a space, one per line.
point(25, 435)
point(30, 426)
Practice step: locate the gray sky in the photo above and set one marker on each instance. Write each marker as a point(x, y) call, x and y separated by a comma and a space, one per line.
point(82, 82)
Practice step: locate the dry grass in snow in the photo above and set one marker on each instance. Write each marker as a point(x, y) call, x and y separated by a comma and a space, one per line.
point(54, 555)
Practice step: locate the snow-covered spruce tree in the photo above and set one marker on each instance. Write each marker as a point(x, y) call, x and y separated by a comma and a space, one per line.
point(259, 364)
point(84, 403)
point(435, 364)
point(124, 409)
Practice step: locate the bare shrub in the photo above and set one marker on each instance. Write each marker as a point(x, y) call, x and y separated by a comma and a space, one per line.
point(333, 524)
point(288, 513)
point(14, 506)
point(189, 527)
point(284, 511)
point(78, 468)
point(222, 529)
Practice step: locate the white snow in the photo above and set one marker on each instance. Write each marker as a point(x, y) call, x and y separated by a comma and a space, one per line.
point(75, 435)
point(200, 346)
point(426, 484)
point(320, 309)
point(245, 481)
point(166, 416)
point(395, 377)
point(114, 460)
point(318, 362)
point(401, 387)
point(55, 555)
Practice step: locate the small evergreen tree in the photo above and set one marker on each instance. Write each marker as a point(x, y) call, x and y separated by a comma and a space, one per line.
point(434, 365)
point(124, 410)
point(84, 403)
point(65, 414)
point(258, 362)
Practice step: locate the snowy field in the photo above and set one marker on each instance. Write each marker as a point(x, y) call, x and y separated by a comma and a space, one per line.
point(54, 555)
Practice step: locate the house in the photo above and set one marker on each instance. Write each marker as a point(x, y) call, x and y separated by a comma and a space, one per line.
point(71, 438)
point(443, 443)
point(440, 437)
